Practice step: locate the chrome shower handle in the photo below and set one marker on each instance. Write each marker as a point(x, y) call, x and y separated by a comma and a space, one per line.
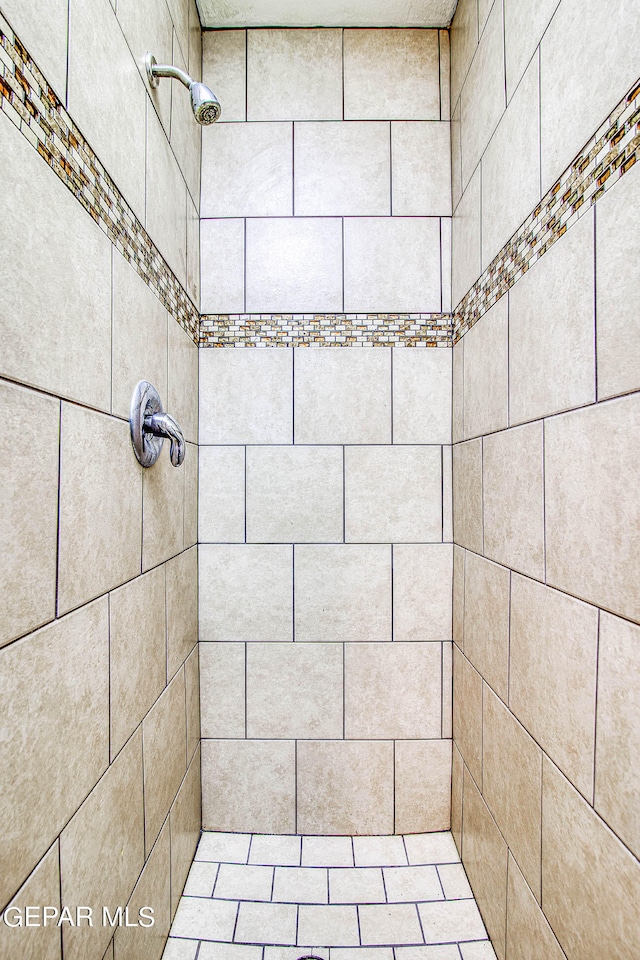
point(150, 426)
point(163, 425)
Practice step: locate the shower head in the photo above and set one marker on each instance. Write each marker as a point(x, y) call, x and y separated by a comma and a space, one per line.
point(204, 103)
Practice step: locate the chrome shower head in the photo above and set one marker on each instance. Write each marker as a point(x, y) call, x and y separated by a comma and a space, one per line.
point(204, 103)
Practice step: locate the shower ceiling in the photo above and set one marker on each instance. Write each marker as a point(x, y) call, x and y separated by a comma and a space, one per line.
point(326, 13)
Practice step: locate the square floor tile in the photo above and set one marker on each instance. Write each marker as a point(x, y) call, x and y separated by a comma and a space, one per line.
point(454, 881)
point(379, 851)
point(411, 884)
point(482, 950)
point(176, 949)
point(451, 920)
point(327, 852)
point(431, 848)
point(300, 885)
point(266, 923)
point(225, 847)
point(277, 851)
point(201, 879)
point(229, 951)
point(205, 919)
point(447, 951)
point(335, 926)
point(294, 953)
point(362, 953)
point(243, 882)
point(359, 885)
point(390, 923)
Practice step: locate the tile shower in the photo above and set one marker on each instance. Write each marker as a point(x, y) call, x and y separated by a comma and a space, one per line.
point(350, 478)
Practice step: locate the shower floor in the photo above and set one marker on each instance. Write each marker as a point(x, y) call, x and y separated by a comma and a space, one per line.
point(260, 897)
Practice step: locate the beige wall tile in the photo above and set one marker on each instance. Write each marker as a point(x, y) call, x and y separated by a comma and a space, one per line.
point(512, 785)
point(147, 26)
point(524, 25)
point(467, 495)
point(106, 92)
point(591, 475)
point(186, 136)
point(139, 337)
point(391, 75)
point(164, 734)
point(422, 575)
point(459, 562)
point(294, 691)
point(617, 248)
point(246, 592)
point(342, 592)
point(510, 190)
point(185, 829)
point(445, 263)
point(483, 95)
point(190, 520)
point(343, 396)
point(393, 493)
point(294, 494)
point(465, 240)
point(484, 6)
point(102, 850)
point(165, 199)
point(248, 785)
point(229, 412)
point(162, 510)
point(221, 515)
point(422, 396)
point(456, 158)
point(222, 266)
point(447, 690)
point(486, 372)
point(41, 889)
point(618, 728)
point(247, 170)
point(222, 690)
point(467, 713)
point(137, 652)
point(153, 889)
point(342, 169)
point(464, 39)
point(553, 662)
point(195, 41)
point(193, 252)
point(578, 34)
point(447, 493)
point(457, 770)
point(294, 74)
point(392, 264)
point(422, 785)
point(192, 698)
point(62, 673)
point(182, 608)
point(29, 508)
point(421, 165)
point(586, 908)
point(182, 398)
point(529, 936)
point(43, 28)
point(485, 860)
point(224, 70)
point(374, 673)
point(513, 497)
point(551, 330)
point(445, 75)
point(345, 787)
point(486, 621)
point(43, 223)
point(294, 266)
point(179, 10)
point(457, 422)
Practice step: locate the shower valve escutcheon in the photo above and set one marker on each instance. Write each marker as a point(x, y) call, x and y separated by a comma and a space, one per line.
point(150, 426)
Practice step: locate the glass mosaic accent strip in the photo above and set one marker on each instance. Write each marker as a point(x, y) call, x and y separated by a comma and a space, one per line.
point(613, 149)
point(326, 330)
point(29, 102)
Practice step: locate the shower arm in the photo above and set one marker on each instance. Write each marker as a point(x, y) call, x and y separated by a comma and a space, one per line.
point(156, 70)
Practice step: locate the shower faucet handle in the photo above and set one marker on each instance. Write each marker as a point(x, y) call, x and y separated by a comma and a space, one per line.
point(150, 426)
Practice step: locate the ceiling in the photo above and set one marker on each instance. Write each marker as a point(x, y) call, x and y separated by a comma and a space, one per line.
point(326, 13)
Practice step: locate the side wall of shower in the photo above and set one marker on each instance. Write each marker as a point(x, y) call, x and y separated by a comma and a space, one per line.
point(99, 758)
point(546, 472)
point(325, 471)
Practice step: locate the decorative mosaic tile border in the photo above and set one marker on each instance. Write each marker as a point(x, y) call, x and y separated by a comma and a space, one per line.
point(28, 100)
point(326, 330)
point(613, 150)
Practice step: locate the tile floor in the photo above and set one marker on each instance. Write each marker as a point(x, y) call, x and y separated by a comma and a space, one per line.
point(258, 897)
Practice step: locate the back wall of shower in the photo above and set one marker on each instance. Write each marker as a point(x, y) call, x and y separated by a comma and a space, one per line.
point(325, 430)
